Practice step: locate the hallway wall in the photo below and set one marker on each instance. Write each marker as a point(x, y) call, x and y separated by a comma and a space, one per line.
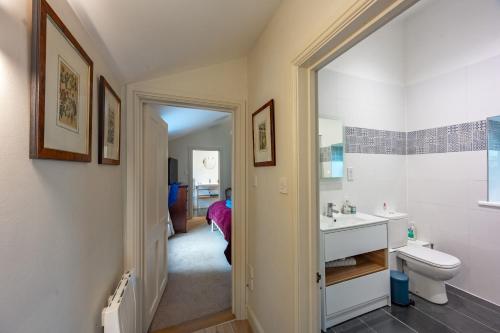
point(61, 229)
point(272, 240)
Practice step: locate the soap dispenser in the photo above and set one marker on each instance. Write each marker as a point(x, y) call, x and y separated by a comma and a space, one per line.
point(346, 208)
point(412, 232)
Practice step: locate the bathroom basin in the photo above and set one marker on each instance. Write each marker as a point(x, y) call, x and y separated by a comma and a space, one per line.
point(346, 221)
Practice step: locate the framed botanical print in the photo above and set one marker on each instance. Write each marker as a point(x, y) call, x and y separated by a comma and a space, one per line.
point(264, 152)
point(61, 106)
point(109, 124)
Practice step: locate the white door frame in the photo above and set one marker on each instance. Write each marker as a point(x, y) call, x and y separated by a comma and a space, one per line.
point(359, 21)
point(190, 163)
point(134, 222)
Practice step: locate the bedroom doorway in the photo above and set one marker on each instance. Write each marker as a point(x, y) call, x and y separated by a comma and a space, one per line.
point(140, 98)
point(200, 147)
point(205, 180)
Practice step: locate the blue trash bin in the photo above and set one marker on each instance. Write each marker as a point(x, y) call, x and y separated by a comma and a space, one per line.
point(399, 288)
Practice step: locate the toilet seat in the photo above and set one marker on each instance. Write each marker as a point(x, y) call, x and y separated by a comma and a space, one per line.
point(429, 256)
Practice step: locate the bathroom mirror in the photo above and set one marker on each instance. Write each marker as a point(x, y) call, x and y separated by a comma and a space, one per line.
point(493, 129)
point(331, 143)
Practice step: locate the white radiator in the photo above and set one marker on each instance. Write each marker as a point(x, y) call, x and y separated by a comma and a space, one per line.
point(119, 315)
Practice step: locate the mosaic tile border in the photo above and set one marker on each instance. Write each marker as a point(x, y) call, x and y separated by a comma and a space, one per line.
point(372, 141)
point(469, 136)
point(448, 139)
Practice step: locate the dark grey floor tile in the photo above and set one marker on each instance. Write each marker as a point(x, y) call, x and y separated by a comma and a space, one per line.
point(381, 321)
point(417, 319)
point(461, 293)
point(474, 310)
point(451, 318)
point(352, 326)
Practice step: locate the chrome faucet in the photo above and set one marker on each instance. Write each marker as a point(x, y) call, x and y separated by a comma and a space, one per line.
point(330, 210)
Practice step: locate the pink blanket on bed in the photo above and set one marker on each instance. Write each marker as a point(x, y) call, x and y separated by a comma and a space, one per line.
point(221, 214)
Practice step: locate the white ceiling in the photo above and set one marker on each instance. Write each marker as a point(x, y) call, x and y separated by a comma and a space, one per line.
point(183, 121)
point(150, 38)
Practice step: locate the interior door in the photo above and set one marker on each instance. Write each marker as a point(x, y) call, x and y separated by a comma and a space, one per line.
point(155, 212)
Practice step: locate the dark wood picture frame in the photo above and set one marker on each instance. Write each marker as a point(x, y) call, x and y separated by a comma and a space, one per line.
point(271, 162)
point(41, 12)
point(103, 86)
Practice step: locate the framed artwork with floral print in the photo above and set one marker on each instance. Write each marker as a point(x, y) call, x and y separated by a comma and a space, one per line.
point(61, 93)
point(109, 124)
point(264, 149)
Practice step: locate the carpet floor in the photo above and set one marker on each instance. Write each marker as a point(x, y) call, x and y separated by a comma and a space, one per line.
point(199, 277)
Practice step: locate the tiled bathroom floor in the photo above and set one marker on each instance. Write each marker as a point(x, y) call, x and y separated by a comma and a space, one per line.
point(463, 313)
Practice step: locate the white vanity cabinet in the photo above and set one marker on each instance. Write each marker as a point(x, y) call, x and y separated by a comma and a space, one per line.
point(347, 292)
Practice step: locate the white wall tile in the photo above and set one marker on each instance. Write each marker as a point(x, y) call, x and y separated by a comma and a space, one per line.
point(483, 82)
point(438, 101)
point(484, 251)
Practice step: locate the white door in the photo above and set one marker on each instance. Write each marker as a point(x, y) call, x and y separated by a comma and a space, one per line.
point(155, 212)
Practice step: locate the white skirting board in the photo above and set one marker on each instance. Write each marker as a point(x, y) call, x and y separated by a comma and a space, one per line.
point(254, 322)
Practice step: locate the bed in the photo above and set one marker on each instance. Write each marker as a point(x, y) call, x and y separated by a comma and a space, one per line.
point(219, 216)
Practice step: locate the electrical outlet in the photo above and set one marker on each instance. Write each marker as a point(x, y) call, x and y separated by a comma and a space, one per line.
point(251, 275)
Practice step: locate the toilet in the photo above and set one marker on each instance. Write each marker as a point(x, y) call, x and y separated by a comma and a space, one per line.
point(427, 268)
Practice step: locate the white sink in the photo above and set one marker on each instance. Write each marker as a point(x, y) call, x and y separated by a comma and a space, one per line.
point(345, 221)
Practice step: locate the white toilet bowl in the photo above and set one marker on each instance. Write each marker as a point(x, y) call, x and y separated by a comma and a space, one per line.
point(427, 270)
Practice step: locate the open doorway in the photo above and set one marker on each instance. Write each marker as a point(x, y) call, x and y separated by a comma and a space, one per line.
point(200, 207)
point(206, 186)
point(421, 109)
point(135, 242)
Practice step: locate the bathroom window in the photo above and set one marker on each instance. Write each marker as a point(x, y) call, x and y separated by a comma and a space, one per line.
point(494, 159)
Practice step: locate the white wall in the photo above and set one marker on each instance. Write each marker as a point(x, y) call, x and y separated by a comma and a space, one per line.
point(219, 136)
point(467, 34)
point(225, 81)
point(370, 61)
point(364, 88)
point(61, 239)
point(271, 237)
point(453, 77)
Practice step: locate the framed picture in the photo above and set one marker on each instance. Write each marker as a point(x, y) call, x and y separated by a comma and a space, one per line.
point(264, 153)
point(61, 98)
point(109, 124)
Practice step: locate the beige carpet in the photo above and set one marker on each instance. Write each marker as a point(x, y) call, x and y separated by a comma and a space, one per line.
point(199, 278)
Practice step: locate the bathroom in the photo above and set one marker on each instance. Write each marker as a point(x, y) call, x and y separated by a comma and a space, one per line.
point(406, 125)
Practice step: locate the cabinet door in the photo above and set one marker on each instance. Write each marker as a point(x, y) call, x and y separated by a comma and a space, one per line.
point(348, 294)
point(342, 244)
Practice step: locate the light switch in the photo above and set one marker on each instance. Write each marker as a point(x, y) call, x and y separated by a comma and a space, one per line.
point(283, 185)
point(350, 176)
point(255, 181)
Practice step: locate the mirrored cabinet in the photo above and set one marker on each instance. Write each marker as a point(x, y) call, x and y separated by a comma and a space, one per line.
point(331, 143)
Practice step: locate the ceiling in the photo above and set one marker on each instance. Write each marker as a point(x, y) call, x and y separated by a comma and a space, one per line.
point(149, 38)
point(183, 121)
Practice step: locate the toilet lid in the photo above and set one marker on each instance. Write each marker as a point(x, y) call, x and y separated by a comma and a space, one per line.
point(430, 256)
